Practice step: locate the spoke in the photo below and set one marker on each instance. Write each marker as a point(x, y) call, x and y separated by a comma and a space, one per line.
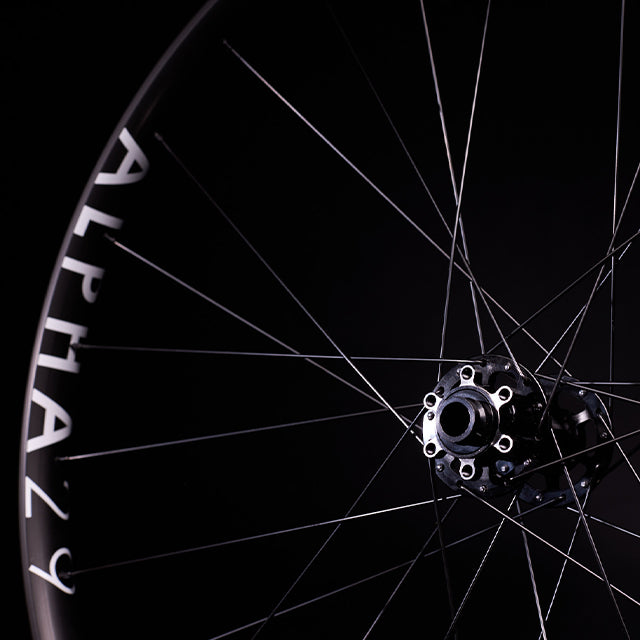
point(388, 118)
point(253, 538)
point(238, 317)
point(485, 557)
point(337, 151)
point(439, 101)
point(620, 449)
point(619, 463)
point(335, 530)
point(408, 570)
point(599, 282)
point(558, 342)
point(563, 366)
point(278, 279)
point(443, 554)
point(533, 578)
point(373, 576)
point(414, 166)
point(447, 299)
point(624, 247)
point(581, 385)
point(229, 434)
point(564, 562)
point(619, 105)
point(609, 383)
point(596, 286)
point(464, 270)
point(575, 455)
point(547, 543)
point(621, 248)
point(474, 580)
point(498, 328)
point(79, 346)
point(458, 221)
point(474, 296)
point(607, 523)
point(357, 583)
point(514, 321)
point(612, 309)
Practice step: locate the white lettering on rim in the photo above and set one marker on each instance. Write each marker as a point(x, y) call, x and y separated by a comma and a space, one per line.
point(53, 413)
point(69, 362)
point(52, 576)
point(89, 214)
point(30, 487)
point(125, 173)
point(90, 275)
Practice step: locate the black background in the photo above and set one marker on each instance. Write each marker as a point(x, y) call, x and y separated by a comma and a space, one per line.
point(69, 71)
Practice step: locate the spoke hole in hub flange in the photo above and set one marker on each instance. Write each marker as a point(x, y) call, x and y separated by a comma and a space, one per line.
point(466, 471)
point(430, 449)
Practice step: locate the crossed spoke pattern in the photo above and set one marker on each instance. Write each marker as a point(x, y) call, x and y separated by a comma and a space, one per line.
point(557, 545)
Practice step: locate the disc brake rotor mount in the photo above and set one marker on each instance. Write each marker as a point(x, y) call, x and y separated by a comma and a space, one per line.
point(483, 426)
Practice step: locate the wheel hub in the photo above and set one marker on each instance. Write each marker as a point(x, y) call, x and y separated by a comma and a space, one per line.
point(485, 426)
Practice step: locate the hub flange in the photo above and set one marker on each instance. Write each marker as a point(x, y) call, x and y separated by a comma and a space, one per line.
point(484, 426)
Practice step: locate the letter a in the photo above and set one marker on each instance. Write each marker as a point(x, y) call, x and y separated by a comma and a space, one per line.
point(124, 174)
point(53, 413)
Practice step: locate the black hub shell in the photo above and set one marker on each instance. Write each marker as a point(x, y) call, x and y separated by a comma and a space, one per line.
point(485, 426)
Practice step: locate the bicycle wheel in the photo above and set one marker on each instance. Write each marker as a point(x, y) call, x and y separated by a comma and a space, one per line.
point(265, 400)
